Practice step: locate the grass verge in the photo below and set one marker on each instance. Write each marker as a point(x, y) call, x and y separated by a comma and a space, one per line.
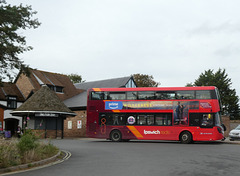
point(25, 150)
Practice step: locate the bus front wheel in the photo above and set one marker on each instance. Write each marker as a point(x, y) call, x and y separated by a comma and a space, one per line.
point(186, 137)
point(116, 136)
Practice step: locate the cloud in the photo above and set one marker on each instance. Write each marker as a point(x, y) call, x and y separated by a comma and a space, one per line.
point(209, 28)
point(230, 50)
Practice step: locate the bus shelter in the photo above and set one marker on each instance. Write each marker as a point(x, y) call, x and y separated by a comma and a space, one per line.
point(44, 113)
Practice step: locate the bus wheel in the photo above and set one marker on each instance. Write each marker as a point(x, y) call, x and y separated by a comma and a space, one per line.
point(186, 137)
point(116, 136)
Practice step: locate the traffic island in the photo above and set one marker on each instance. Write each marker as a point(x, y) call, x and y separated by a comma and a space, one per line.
point(59, 157)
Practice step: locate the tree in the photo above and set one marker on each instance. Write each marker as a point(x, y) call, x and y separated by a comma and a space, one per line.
point(14, 19)
point(75, 78)
point(221, 80)
point(145, 80)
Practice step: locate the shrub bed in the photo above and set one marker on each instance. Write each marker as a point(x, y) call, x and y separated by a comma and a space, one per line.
point(25, 150)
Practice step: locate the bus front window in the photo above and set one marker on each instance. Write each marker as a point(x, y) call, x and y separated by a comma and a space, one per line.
point(217, 119)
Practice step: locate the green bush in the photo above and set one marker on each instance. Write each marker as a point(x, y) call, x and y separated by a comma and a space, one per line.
point(27, 142)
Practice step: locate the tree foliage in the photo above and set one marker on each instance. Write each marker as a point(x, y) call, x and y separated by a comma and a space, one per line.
point(13, 20)
point(221, 80)
point(143, 80)
point(75, 78)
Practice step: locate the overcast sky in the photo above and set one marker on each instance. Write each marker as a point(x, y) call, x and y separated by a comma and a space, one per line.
point(172, 40)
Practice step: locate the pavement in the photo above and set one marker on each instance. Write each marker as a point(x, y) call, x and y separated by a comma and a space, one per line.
point(231, 142)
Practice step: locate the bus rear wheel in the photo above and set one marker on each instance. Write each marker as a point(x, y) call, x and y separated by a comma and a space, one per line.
point(116, 136)
point(186, 137)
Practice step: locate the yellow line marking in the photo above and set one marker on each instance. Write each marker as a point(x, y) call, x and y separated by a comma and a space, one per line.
point(115, 110)
point(135, 131)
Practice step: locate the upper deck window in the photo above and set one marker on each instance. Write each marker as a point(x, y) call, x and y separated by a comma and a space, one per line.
point(203, 94)
point(165, 95)
point(146, 95)
point(116, 96)
point(185, 95)
point(131, 95)
point(155, 95)
point(98, 96)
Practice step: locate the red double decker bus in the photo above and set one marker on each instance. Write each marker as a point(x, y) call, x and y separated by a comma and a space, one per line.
point(183, 114)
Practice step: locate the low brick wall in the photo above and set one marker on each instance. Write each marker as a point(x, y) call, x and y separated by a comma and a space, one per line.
point(226, 122)
point(234, 124)
point(48, 133)
point(230, 124)
point(75, 126)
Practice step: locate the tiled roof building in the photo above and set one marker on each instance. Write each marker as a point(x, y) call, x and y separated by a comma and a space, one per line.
point(11, 98)
point(10, 90)
point(60, 83)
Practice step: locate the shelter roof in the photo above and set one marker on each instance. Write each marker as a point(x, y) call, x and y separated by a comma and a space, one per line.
point(44, 100)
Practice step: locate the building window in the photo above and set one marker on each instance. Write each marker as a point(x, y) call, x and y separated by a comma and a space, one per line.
point(56, 89)
point(12, 102)
point(59, 89)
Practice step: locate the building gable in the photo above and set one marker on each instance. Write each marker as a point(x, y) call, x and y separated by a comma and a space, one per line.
point(10, 90)
point(60, 83)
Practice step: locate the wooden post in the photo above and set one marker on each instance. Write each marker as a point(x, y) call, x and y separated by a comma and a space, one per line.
point(62, 118)
point(56, 126)
point(45, 119)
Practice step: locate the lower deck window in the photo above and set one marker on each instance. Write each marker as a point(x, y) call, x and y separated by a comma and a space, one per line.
point(163, 119)
point(204, 120)
point(158, 119)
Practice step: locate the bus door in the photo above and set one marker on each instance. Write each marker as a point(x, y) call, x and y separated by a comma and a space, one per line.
point(203, 123)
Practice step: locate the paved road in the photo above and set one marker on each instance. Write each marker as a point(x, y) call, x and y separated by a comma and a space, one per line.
point(92, 157)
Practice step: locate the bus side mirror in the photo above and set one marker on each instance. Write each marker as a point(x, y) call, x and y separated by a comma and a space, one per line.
point(224, 127)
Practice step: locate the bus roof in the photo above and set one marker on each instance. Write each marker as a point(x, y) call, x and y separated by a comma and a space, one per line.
point(154, 89)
